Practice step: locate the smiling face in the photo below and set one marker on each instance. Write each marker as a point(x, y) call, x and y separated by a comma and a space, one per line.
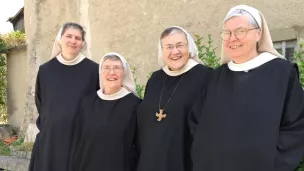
point(175, 50)
point(71, 42)
point(242, 44)
point(111, 75)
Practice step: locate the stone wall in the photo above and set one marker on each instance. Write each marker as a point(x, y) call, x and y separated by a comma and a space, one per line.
point(132, 27)
point(16, 85)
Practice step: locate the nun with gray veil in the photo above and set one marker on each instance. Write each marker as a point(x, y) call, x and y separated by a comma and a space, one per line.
point(163, 131)
point(60, 85)
point(105, 125)
point(252, 118)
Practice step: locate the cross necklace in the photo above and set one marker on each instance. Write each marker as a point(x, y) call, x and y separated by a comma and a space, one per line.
point(161, 114)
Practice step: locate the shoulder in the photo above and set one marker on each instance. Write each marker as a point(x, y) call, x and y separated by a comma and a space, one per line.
point(156, 75)
point(132, 99)
point(89, 63)
point(201, 68)
point(50, 63)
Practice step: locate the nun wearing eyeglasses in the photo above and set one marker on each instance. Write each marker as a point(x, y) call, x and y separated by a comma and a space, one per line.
point(60, 85)
point(252, 118)
point(105, 126)
point(163, 131)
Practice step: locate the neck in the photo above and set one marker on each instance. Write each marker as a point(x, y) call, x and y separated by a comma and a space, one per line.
point(245, 58)
point(68, 57)
point(109, 91)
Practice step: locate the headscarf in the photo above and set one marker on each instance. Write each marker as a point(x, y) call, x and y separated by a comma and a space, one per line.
point(193, 54)
point(265, 43)
point(128, 81)
point(56, 51)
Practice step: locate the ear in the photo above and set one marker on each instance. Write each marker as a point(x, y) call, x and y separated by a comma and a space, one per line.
point(259, 34)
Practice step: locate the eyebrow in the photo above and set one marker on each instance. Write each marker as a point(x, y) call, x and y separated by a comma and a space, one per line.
point(176, 43)
point(237, 28)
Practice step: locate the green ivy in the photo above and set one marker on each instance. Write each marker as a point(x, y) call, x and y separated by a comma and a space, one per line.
point(206, 52)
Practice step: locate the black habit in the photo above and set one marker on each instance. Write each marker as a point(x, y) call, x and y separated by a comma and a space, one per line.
point(165, 145)
point(59, 90)
point(251, 121)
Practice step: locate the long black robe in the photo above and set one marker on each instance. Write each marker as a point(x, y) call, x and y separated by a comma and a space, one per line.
point(165, 145)
point(59, 90)
point(251, 121)
point(104, 134)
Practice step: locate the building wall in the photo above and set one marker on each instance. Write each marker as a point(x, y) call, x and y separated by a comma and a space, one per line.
point(19, 25)
point(133, 27)
point(16, 83)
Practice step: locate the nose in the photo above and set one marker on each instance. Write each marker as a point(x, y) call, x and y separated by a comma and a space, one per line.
point(111, 71)
point(232, 37)
point(175, 50)
point(73, 40)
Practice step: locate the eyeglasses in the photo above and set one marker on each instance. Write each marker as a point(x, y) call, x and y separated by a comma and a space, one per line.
point(239, 33)
point(116, 69)
point(179, 46)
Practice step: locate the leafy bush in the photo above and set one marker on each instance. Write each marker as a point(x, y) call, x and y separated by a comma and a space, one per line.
point(206, 52)
point(13, 39)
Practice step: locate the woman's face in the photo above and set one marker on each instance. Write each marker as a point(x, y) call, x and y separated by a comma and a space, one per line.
point(175, 50)
point(242, 43)
point(71, 41)
point(111, 74)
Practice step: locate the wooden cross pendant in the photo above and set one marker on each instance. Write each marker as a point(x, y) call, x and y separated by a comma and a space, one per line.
point(160, 115)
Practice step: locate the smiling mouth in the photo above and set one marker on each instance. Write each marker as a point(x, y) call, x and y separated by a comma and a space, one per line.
point(175, 58)
point(235, 46)
point(111, 79)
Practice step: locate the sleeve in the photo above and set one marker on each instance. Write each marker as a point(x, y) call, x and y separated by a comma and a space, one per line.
point(77, 129)
point(38, 97)
point(290, 147)
point(197, 108)
point(97, 79)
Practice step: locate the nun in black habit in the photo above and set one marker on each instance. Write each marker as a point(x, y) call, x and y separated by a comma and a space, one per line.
point(60, 85)
point(105, 126)
point(252, 117)
point(164, 137)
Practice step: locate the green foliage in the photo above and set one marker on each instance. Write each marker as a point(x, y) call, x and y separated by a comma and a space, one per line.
point(25, 147)
point(298, 58)
point(3, 89)
point(206, 52)
point(140, 89)
point(3, 46)
point(18, 142)
point(301, 166)
point(4, 149)
point(13, 40)
point(7, 42)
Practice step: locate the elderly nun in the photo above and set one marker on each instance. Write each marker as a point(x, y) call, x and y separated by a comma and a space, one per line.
point(60, 85)
point(163, 132)
point(105, 126)
point(252, 118)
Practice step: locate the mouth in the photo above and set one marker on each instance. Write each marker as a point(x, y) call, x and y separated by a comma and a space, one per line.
point(175, 58)
point(111, 79)
point(235, 46)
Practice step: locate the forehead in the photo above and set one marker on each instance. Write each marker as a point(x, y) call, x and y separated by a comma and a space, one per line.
point(174, 38)
point(112, 62)
point(72, 31)
point(242, 21)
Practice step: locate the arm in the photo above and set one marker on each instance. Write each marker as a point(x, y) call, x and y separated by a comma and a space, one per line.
point(290, 148)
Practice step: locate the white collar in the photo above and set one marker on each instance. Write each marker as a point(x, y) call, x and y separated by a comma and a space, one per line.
point(75, 61)
point(190, 64)
point(253, 63)
point(120, 94)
